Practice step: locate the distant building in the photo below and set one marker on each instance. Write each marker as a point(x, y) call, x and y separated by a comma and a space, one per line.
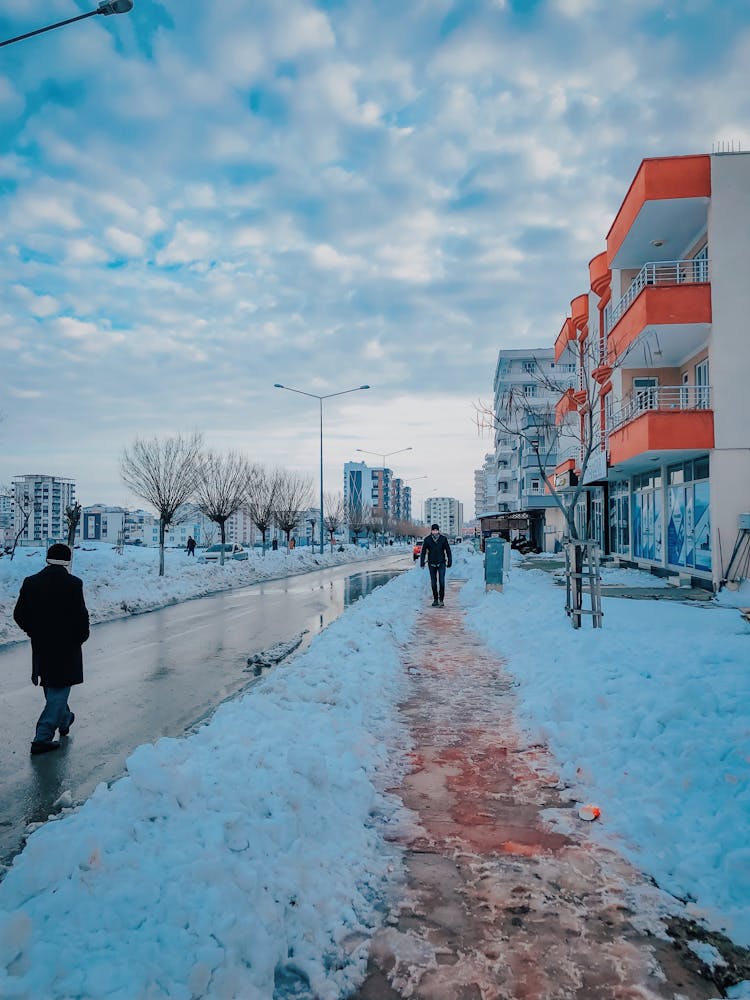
point(101, 524)
point(485, 486)
point(447, 512)
point(47, 496)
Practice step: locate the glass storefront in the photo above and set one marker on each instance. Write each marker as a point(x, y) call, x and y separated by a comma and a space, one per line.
point(689, 524)
point(648, 504)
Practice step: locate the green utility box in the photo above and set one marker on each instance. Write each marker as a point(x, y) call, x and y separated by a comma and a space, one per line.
point(496, 562)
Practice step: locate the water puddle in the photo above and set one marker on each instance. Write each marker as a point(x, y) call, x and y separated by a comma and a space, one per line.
point(361, 584)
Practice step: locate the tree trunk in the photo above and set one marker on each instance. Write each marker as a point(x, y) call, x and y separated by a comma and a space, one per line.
point(263, 534)
point(222, 536)
point(162, 526)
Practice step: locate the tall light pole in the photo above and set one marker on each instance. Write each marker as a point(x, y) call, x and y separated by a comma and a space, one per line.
point(113, 7)
point(314, 395)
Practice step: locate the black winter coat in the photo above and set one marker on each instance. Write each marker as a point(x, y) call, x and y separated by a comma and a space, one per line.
point(52, 612)
point(436, 550)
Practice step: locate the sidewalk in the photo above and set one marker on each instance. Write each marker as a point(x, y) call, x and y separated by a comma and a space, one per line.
point(498, 906)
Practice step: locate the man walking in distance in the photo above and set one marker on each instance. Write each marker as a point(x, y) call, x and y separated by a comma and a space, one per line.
point(52, 612)
point(437, 551)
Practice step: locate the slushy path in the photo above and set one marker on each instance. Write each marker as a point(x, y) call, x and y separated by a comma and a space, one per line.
point(499, 906)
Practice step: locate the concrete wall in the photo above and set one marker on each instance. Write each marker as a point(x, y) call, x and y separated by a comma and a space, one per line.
point(729, 252)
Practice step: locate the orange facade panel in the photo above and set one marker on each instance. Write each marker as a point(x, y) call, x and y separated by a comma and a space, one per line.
point(656, 306)
point(659, 431)
point(600, 274)
point(564, 337)
point(657, 180)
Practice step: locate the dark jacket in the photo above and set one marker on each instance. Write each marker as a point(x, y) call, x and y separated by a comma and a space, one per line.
point(52, 612)
point(437, 551)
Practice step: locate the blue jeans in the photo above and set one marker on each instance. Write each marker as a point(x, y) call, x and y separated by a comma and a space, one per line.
point(56, 714)
point(437, 572)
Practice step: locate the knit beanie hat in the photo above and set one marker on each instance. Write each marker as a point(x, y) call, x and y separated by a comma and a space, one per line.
point(59, 554)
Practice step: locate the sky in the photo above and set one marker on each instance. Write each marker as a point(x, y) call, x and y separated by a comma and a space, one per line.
point(200, 200)
point(141, 884)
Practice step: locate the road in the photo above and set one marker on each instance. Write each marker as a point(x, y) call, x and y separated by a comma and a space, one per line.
point(154, 675)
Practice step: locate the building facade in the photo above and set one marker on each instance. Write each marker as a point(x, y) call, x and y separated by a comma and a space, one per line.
point(485, 486)
point(667, 308)
point(527, 386)
point(447, 512)
point(46, 498)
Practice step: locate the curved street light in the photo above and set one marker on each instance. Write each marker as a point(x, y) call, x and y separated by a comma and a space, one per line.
point(314, 395)
point(386, 454)
point(106, 8)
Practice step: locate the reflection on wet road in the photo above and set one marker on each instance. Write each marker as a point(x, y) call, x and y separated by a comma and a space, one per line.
point(154, 675)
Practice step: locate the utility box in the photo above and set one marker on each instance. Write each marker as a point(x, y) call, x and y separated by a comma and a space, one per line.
point(496, 562)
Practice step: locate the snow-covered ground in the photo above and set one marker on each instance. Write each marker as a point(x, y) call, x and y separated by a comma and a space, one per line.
point(257, 844)
point(119, 585)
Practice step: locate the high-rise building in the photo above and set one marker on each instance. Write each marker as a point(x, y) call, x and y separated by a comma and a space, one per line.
point(485, 487)
point(45, 498)
point(447, 512)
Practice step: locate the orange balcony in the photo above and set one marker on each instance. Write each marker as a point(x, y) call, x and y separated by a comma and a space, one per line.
point(600, 274)
point(564, 337)
point(579, 315)
point(666, 201)
point(659, 420)
point(678, 316)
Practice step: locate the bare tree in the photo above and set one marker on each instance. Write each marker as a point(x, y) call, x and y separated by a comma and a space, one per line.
point(358, 516)
point(333, 514)
point(72, 515)
point(164, 473)
point(221, 489)
point(293, 495)
point(260, 497)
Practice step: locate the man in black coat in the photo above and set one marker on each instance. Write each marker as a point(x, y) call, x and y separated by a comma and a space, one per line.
point(437, 551)
point(52, 612)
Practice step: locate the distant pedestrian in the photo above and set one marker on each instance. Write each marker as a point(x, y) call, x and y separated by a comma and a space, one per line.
point(437, 552)
point(275, 544)
point(51, 610)
point(292, 543)
point(190, 545)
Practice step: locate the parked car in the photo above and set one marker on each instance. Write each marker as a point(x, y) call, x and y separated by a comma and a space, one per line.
point(417, 550)
point(232, 550)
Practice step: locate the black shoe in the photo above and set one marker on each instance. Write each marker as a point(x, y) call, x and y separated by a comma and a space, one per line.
point(44, 746)
point(441, 604)
point(435, 603)
point(64, 732)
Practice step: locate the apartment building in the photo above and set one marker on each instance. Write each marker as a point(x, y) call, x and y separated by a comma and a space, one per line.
point(667, 308)
point(101, 523)
point(377, 488)
point(485, 486)
point(527, 387)
point(447, 512)
point(46, 497)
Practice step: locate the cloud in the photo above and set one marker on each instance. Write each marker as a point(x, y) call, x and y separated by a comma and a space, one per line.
point(325, 195)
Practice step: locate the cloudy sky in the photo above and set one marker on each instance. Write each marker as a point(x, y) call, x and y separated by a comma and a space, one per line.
point(200, 199)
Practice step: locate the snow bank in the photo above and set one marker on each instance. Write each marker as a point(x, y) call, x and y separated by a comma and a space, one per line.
point(249, 850)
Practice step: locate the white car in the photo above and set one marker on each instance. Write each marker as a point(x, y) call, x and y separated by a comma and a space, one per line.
point(232, 550)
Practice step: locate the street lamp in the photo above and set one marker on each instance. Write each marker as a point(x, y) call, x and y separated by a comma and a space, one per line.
point(314, 395)
point(386, 455)
point(106, 8)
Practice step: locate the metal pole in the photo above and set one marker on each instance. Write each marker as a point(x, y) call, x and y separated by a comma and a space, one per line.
point(321, 475)
point(40, 31)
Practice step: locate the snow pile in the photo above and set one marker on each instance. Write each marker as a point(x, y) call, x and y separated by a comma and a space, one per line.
point(119, 585)
point(250, 850)
point(648, 717)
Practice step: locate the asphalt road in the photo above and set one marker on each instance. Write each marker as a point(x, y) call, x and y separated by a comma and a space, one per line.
point(154, 675)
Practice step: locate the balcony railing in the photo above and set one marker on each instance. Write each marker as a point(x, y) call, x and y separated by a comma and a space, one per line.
point(667, 272)
point(665, 398)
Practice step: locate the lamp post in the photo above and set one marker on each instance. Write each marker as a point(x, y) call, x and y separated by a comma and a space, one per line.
point(314, 395)
point(106, 8)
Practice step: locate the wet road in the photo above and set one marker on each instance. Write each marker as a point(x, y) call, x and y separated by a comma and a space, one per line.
point(156, 675)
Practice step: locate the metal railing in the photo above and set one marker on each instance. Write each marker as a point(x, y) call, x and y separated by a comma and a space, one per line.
point(667, 272)
point(665, 398)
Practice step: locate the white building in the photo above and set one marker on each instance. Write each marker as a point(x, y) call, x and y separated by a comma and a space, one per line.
point(47, 497)
point(485, 486)
point(101, 523)
point(447, 512)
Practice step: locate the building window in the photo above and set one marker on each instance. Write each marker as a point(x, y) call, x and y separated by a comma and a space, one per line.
point(689, 512)
point(530, 390)
point(529, 366)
